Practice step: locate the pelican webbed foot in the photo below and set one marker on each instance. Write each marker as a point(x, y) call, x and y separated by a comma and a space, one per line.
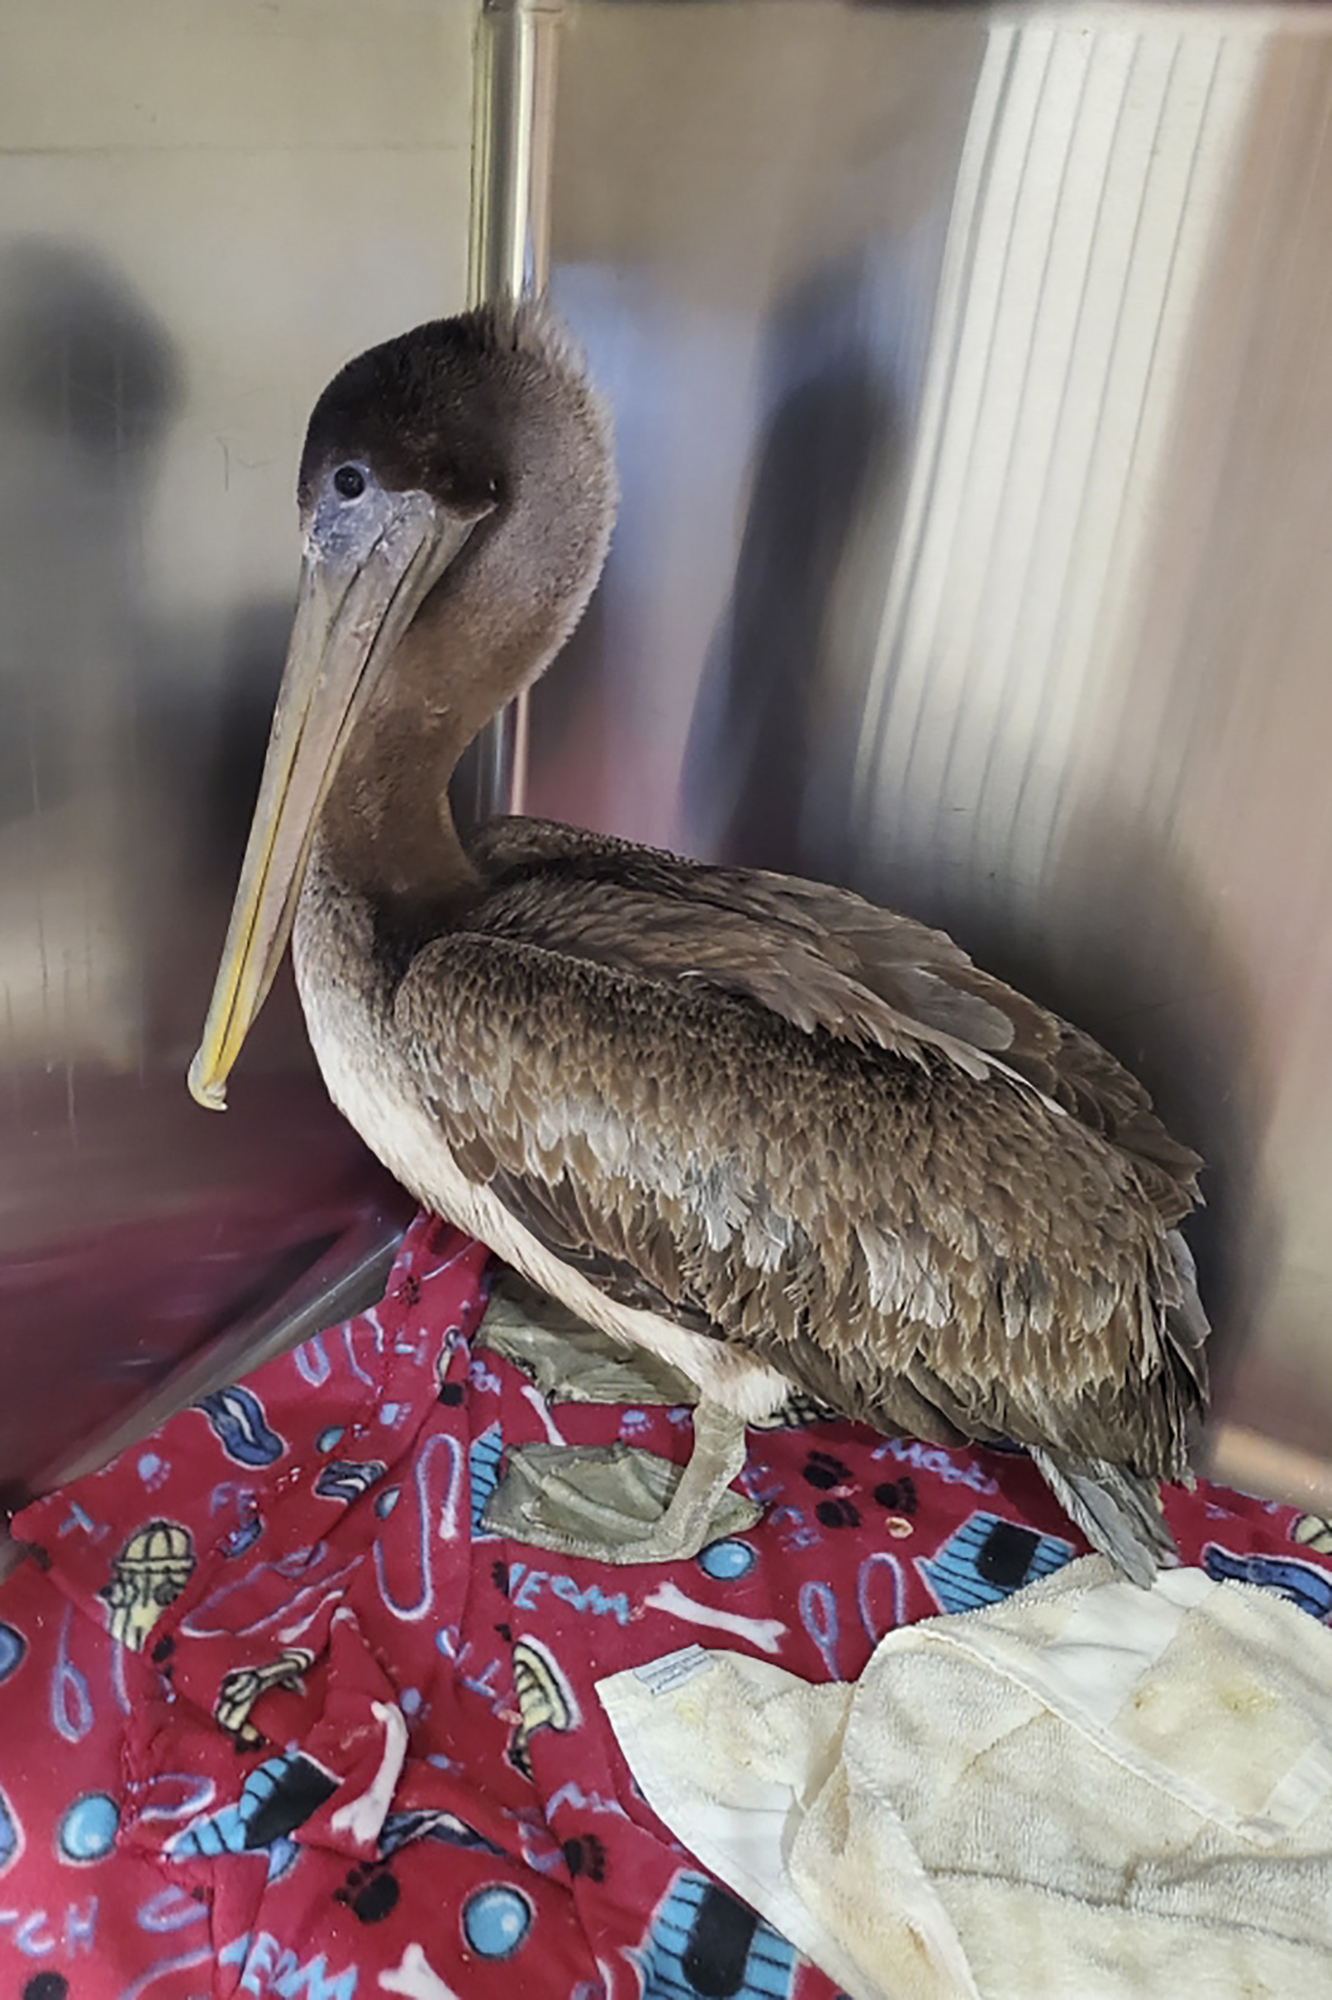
point(617, 1504)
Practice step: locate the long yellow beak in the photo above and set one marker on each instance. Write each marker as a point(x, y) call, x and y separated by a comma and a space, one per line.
point(358, 593)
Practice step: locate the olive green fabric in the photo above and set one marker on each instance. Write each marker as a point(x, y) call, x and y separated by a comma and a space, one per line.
point(603, 1501)
point(570, 1361)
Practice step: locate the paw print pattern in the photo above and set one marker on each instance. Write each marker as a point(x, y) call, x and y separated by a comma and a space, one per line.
point(897, 1495)
point(370, 1892)
point(828, 1475)
point(585, 1855)
point(825, 1471)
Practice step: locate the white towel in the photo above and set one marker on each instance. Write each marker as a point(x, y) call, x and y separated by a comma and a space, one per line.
point(1087, 1792)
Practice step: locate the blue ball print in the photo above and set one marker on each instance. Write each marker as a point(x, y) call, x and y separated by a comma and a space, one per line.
point(13, 1646)
point(10, 1837)
point(496, 1920)
point(87, 1830)
point(727, 1561)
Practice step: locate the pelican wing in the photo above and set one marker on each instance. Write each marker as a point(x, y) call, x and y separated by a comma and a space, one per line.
point(819, 957)
point(914, 1235)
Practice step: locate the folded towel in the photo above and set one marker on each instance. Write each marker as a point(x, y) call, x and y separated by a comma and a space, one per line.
point(1086, 1790)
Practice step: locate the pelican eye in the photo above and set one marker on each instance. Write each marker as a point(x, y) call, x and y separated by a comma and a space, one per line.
point(349, 481)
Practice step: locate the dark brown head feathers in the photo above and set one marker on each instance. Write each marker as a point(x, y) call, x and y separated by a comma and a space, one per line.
point(438, 408)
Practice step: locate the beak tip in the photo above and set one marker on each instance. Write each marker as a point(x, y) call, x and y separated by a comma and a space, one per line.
point(211, 1094)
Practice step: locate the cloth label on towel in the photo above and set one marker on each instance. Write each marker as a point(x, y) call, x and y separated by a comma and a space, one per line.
point(672, 1670)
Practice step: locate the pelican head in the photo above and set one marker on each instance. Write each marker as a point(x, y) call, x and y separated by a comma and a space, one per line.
point(456, 499)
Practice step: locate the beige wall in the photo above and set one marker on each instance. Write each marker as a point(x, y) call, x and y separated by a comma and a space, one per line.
point(282, 182)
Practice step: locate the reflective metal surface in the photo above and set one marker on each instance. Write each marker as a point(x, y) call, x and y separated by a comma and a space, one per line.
point(975, 411)
point(513, 131)
point(203, 212)
point(975, 419)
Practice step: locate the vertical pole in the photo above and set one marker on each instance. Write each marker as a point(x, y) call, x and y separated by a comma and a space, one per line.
point(512, 138)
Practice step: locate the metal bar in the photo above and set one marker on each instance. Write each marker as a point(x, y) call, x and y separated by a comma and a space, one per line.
point(512, 139)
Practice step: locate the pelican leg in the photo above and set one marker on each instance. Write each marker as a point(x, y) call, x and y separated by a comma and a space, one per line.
point(687, 1523)
point(618, 1504)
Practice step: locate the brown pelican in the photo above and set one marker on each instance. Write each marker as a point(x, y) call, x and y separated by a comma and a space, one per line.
point(779, 1136)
